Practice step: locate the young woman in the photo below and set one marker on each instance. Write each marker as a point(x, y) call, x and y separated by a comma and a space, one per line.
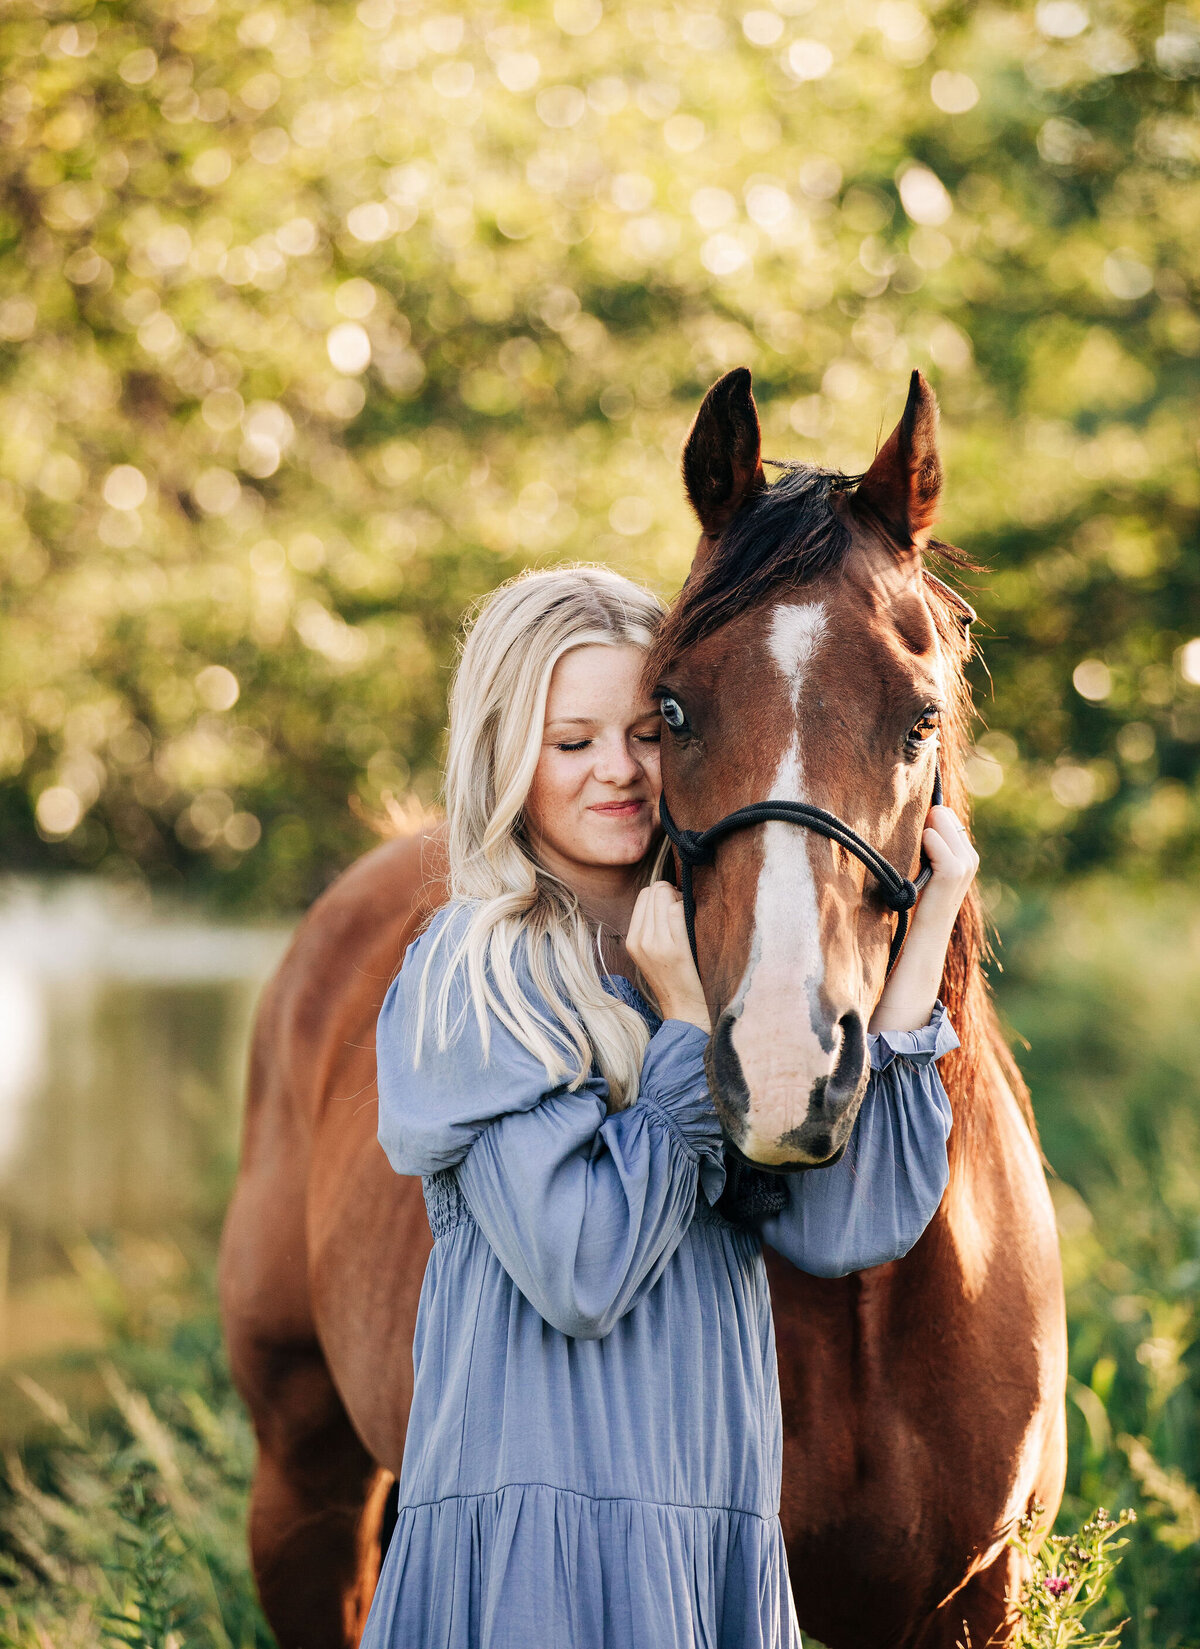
point(593, 1457)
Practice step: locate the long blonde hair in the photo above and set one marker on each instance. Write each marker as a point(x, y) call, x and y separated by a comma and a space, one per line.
point(517, 908)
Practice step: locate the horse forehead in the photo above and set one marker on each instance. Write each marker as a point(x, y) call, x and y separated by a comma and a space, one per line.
point(794, 634)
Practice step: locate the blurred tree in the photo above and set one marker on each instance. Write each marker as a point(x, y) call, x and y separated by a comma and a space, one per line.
point(316, 321)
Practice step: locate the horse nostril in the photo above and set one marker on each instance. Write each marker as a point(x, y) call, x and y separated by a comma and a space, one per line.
point(726, 1078)
point(845, 1076)
point(794, 1119)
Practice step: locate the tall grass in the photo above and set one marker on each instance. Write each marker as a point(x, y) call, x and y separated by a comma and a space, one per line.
point(1068, 1575)
point(129, 1527)
point(129, 1531)
point(1103, 984)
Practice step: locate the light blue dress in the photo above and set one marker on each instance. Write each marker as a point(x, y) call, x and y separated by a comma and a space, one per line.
point(594, 1449)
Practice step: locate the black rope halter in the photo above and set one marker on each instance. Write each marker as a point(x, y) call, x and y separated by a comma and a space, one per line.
point(699, 847)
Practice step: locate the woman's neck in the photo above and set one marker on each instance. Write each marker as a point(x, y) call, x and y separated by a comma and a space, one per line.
point(606, 894)
point(609, 906)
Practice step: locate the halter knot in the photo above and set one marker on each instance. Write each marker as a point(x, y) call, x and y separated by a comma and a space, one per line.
point(692, 848)
point(903, 897)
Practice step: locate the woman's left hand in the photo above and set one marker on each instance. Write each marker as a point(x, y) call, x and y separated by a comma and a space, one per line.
point(952, 855)
point(912, 986)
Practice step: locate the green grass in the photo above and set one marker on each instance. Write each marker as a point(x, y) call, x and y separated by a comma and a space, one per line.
point(1103, 982)
point(128, 1527)
point(129, 1531)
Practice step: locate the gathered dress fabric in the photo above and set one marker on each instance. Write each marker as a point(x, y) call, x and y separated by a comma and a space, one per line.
point(594, 1448)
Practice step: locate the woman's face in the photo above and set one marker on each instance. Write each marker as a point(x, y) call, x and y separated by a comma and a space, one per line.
point(594, 796)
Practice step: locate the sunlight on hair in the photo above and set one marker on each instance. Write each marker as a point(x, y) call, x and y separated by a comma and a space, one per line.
point(518, 909)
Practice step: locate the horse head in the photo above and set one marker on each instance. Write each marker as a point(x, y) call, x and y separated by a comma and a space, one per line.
point(810, 658)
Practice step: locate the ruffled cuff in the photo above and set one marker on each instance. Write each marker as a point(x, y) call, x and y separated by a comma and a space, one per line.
point(921, 1047)
point(674, 1089)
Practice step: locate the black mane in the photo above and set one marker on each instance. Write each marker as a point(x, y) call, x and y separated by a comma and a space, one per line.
point(787, 534)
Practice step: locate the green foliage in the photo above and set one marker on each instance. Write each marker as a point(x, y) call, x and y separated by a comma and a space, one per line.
point(131, 1529)
point(148, 1565)
point(1068, 1577)
point(1100, 984)
point(315, 322)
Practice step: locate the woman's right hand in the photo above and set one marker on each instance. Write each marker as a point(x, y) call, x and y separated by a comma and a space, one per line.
point(658, 942)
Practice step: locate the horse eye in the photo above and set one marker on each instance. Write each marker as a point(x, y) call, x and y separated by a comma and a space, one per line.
point(672, 713)
point(926, 727)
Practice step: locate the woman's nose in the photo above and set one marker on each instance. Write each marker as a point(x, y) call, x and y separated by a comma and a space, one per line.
point(616, 762)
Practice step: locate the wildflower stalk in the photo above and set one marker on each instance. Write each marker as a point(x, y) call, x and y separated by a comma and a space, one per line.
point(1068, 1576)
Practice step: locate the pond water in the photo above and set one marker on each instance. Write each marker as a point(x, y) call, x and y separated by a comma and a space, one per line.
point(124, 1024)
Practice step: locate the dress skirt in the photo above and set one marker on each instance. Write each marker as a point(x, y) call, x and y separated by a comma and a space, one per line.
point(607, 1493)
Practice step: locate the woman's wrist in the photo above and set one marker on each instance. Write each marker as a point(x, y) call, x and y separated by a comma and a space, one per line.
point(691, 1011)
point(930, 930)
point(906, 1013)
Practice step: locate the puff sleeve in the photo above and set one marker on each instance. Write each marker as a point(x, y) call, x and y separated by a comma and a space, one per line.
point(872, 1205)
point(582, 1209)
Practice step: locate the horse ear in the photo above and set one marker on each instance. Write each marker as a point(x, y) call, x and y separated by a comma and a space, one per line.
point(722, 455)
point(904, 484)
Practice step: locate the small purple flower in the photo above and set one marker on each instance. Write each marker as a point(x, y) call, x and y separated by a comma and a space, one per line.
point(1057, 1585)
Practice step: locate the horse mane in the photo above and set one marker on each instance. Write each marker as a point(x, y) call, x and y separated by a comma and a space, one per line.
point(984, 1054)
point(787, 535)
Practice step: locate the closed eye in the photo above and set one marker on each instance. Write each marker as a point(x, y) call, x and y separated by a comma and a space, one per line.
point(582, 744)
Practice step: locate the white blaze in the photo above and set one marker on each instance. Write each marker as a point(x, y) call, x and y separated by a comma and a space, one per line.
point(795, 635)
point(780, 1055)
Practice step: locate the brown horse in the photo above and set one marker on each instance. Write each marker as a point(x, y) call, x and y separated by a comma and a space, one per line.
point(812, 657)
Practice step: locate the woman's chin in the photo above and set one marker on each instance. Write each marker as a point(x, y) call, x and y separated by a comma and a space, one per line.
point(614, 848)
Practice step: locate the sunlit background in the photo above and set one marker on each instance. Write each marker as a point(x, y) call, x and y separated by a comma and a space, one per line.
point(315, 323)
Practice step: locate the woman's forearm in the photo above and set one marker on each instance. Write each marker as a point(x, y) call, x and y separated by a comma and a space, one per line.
point(915, 982)
point(873, 1204)
point(584, 1218)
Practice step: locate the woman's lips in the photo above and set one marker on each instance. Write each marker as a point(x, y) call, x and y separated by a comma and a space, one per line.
point(617, 810)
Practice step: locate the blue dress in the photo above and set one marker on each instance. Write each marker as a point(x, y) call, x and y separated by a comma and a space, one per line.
point(594, 1449)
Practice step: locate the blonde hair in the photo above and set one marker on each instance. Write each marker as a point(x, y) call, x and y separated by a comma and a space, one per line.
point(497, 716)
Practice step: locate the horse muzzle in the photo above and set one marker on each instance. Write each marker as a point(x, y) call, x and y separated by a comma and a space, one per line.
point(782, 1115)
